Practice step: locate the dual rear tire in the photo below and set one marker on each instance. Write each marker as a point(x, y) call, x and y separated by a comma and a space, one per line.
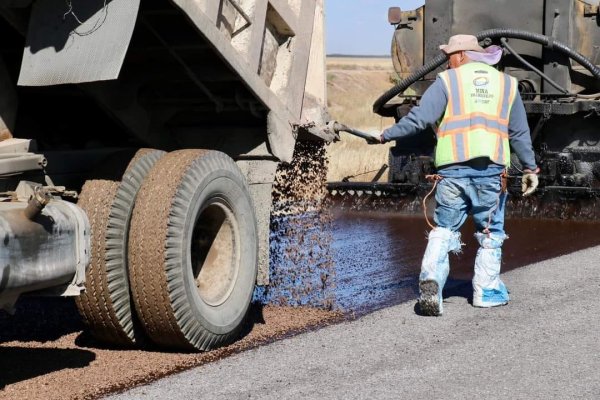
point(191, 254)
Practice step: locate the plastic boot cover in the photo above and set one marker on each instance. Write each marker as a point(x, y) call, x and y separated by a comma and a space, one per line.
point(435, 268)
point(488, 289)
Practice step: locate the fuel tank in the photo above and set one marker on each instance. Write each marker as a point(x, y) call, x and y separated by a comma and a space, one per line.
point(44, 248)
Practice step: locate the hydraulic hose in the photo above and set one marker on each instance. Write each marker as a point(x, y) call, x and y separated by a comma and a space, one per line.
point(440, 59)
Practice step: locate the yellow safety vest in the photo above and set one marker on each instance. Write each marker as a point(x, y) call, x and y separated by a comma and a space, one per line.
point(475, 123)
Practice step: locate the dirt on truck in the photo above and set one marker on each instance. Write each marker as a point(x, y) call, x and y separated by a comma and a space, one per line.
point(163, 244)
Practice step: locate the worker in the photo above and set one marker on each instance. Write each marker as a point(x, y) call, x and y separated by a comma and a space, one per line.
point(479, 116)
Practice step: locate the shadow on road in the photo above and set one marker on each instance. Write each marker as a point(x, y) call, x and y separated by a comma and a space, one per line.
point(458, 288)
point(40, 319)
point(19, 364)
point(86, 340)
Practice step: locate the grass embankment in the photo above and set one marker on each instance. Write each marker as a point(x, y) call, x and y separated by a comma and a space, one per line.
point(353, 85)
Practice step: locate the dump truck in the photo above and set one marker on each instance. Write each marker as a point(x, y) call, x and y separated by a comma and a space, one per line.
point(551, 46)
point(141, 143)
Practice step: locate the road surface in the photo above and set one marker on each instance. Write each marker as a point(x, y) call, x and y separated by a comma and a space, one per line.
point(545, 344)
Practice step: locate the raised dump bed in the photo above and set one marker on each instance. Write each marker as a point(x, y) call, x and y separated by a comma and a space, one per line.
point(218, 88)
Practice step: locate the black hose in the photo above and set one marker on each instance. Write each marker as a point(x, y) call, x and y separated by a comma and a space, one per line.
point(409, 80)
point(492, 34)
point(547, 41)
point(533, 68)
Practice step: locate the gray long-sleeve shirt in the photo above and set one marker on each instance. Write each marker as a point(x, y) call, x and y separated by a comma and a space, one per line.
point(432, 107)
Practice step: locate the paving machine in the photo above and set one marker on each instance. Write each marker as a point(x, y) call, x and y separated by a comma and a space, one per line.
point(551, 46)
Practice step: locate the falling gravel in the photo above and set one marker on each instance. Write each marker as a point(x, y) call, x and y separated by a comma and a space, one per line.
point(302, 271)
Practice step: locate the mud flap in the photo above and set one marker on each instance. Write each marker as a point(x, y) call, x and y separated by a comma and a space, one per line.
point(77, 41)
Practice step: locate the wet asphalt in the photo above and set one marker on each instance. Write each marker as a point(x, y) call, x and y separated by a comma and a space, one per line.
point(544, 345)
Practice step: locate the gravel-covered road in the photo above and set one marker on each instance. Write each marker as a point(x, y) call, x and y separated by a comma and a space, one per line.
point(44, 354)
point(545, 344)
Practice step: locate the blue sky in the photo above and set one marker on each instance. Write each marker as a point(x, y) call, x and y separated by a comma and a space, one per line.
point(360, 27)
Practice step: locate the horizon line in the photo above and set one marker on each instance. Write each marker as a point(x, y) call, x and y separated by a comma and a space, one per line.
point(358, 55)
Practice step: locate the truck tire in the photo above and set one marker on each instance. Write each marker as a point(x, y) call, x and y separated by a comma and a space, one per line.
point(96, 199)
point(106, 306)
point(193, 250)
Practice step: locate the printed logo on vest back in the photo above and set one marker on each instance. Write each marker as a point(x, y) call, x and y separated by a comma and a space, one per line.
point(481, 81)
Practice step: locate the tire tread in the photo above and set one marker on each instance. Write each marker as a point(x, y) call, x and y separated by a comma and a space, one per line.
point(156, 237)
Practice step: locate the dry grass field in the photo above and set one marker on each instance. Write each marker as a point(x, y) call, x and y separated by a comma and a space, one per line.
point(353, 84)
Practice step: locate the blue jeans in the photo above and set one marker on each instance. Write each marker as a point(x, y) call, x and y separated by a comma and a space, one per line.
point(479, 196)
